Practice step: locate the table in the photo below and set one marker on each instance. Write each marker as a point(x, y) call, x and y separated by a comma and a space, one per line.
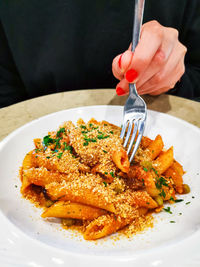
point(17, 115)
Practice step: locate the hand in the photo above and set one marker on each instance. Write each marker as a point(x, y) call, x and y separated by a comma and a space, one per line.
point(156, 64)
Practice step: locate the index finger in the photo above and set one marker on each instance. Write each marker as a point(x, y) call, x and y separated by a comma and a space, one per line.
point(149, 43)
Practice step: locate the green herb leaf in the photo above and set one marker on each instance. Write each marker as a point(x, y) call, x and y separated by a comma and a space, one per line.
point(162, 194)
point(172, 221)
point(67, 147)
point(93, 140)
point(102, 136)
point(105, 173)
point(105, 151)
point(187, 203)
point(47, 140)
point(155, 171)
point(167, 210)
point(160, 182)
point(112, 174)
point(57, 142)
point(86, 143)
point(48, 157)
point(178, 200)
point(111, 132)
point(83, 127)
point(143, 182)
point(105, 184)
point(61, 130)
point(145, 169)
point(59, 155)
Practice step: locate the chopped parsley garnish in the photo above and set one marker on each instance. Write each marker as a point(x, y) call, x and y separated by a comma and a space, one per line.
point(145, 169)
point(111, 132)
point(112, 174)
point(172, 199)
point(83, 127)
point(37, 150)
point(162, 194)
point(93, 140)
point(155, 171)
point(143, 182)
point(61, 130)
point(102, 136)
point(67, 147)
point(59, 155)
point(167, 210)
point(57, 142)
point(105, 184)
point(86, 143)
point(172, 221)
point(160, 182)
point(90, 125)
point(48, 157)
point(178, 200)
point(84, 132)
point(105, 151)
point(47, 140)
point(187, 203)
point(105, 173)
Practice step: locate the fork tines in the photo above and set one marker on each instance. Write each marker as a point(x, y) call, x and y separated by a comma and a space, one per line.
point(135, 126)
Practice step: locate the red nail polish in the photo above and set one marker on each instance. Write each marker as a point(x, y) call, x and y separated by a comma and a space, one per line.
point(120, 61)
point(131, 75)
point(120, 91)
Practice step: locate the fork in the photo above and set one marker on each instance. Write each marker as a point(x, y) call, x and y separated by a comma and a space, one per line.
point(135, 111)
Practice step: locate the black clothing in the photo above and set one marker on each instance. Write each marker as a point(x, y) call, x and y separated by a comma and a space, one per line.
point(51, 46)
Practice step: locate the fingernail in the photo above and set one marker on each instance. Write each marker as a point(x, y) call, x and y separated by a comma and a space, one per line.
point(120, 61)
point(131, 75)
point(120, 91)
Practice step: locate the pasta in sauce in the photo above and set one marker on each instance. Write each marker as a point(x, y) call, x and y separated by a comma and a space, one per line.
point(81, 174)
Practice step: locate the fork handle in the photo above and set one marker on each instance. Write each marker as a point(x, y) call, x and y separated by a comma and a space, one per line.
point(137, 22)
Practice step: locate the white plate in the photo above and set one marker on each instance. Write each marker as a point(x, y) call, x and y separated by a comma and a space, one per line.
point(28, 240)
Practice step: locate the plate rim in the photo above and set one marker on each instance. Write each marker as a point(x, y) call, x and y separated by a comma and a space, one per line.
point(46, 246)
point(3, 141)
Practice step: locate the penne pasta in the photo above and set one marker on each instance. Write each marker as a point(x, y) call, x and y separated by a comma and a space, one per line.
point(154, 148)
point(176, 172)
point(120, 158)
point(81, 173)
point(164, 161)
point(104, 226)
point(78, 192)
point(62, 209)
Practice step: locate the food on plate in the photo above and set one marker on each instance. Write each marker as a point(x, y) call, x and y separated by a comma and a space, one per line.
point(81, 173)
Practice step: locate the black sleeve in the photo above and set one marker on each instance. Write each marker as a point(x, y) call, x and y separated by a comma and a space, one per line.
point(189, 85)
point(11, 87)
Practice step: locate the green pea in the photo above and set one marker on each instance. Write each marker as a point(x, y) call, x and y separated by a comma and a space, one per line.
point(186, 189)
point(68, 222)
point(159, 200)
